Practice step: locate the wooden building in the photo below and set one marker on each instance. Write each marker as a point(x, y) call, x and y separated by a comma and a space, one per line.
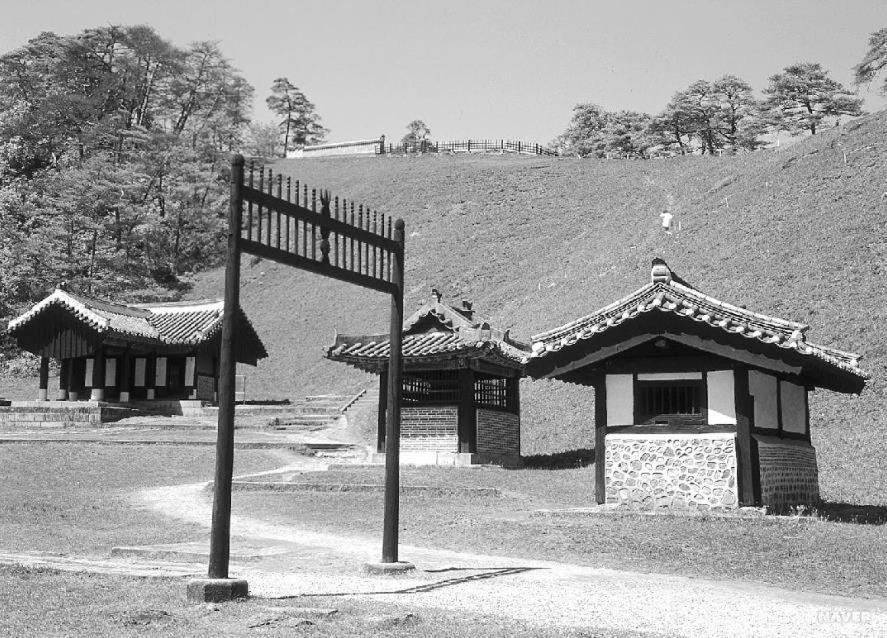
point(118, 353)
point(698, 403)
point(461, 393)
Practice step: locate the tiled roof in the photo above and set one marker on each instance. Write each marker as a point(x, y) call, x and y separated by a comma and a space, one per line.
point(434, 332)
point(668, 295)
point(180, 323)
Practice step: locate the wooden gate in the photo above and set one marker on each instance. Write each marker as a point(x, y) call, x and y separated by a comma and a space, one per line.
point(280, 220)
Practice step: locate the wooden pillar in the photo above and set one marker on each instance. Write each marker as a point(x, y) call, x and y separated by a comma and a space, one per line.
point(747, 464)
point(383, 407)
point(98, 376)
point(73, 374)
point(600, 439)
point(124, 372)
point(220, 535)
point(43, 386)
point(395, 387)
point(64, 379)
point(467, 415)
point(150, 376)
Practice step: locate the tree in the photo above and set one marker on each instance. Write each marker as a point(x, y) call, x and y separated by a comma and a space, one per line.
point(739, 121)
point(300, 124)
point(263, 140)
point(802, 97)
point(875, 60)
point(113, 148)
point(596, 132)
point(417, 133)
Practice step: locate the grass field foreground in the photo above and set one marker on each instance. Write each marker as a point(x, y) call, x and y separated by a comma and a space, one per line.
point(73, 497)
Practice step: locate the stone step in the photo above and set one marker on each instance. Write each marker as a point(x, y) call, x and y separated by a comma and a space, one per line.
point(332, 398)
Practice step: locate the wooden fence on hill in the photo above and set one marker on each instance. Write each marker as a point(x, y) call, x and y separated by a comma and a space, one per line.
point(469, 146)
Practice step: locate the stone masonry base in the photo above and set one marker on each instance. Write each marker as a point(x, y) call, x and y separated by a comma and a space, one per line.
point(671, 470)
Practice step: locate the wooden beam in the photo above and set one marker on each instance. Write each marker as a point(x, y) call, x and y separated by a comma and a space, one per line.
point(316, 266)
point(43, 389)
point(600, 435)
point(383, 408)
point(294, 211)
point(395, 390)
point(467, 415)
point(748, 467)
point(220, 534)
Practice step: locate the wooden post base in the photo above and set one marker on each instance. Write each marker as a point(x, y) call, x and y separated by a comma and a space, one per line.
point(216, 590)
point(388, 569)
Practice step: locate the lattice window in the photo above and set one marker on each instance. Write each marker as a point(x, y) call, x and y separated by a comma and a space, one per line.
point(670, 402)
point(438, 386)
point(495, 392)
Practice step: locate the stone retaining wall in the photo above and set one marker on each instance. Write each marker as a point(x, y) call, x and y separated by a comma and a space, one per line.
point(789, 474)
point(429, 428)
point(668, 470)
point(498, 432)
point(57, 414)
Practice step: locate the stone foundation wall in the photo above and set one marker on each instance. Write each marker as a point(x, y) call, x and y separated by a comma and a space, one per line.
point(429, 428)
point(498, 432)
point(57, 414)
point(789, 475)
point(652, 471)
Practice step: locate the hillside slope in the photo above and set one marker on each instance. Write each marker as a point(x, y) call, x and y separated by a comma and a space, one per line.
point(798, 232)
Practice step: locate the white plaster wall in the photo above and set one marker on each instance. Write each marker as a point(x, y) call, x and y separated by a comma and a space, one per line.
point(721, 399)
point(111, 372)
point(620, 399)
point(763, 388)
point(88, 373)
point(139, 380)
point(669, 376)
point(189, 371)
point(794, 407)
point(160, 376)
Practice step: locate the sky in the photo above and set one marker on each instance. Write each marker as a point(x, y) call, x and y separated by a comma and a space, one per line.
point(491, 69)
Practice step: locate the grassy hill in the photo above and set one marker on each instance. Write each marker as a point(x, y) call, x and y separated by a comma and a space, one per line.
point(799, 232)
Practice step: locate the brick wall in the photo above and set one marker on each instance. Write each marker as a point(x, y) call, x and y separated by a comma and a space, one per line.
point(429, 428)
point(652, 471)
point(498, 432)
point(789, 474)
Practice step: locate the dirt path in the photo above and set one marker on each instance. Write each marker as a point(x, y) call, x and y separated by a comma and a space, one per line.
point(541, 592)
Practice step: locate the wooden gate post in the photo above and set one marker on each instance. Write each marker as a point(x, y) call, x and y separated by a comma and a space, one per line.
point(395, 387)
point(221, 522)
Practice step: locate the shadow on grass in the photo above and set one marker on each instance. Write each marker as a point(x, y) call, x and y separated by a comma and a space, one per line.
point(569, 459)
point(483, 574)
point(850, 513)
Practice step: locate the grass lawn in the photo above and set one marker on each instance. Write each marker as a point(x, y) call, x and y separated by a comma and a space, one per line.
point(46, 602)
point(805, 554)
point(76, 497)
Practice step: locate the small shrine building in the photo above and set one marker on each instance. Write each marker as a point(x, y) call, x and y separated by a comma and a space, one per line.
point(698, 403)
point(460, 401)
point(120, 353)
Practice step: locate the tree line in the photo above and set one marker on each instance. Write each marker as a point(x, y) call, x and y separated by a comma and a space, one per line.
point(114, 148)
point(723, 115)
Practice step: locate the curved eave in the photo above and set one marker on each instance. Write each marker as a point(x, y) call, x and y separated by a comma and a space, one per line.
point(376, 364)
point(816, 365)
point(682, 301)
